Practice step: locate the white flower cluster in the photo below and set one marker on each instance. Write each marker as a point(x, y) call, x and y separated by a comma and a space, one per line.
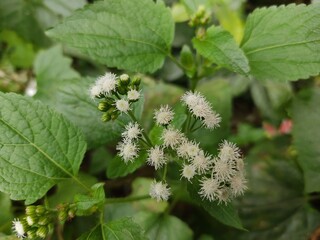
point(128, 147)
point(201, 109)
point(18, 228)
point(117, 94)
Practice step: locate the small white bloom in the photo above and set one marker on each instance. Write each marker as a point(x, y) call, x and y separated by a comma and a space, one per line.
point(212, 120)
point(156, 157)
point(223, 170)
point(133, 95)
point(240, 165)
point(95, 91)
point(164, 115)
point(123, 105)
point(209, 188)
point(193, 149)
point(202, 162)
point(238, 184)
point(159, 191)
point(229, 151)
point(182, 149)
point(201, 110)
point(188, 171)
point(124, 77)
point(223, 195)
point(18, 228)
point(107, 82)
point(171, 137)
point(192, 99)
point(128, 151)
point(132, 132)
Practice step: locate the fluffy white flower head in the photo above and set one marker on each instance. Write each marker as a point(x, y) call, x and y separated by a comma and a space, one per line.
point(132, 132)
point(238, 184)
point(107, 83)
point(209, 188)
point(188, 171)
point(164, 115)
point(171, 137)
point(159, 191)
point(128, 151)
point(223, 170)
point(95, 91)
point(229, 151)
point(156, 157)
point(192, 99)
point(202, 162)
point(123, 105)
point(223, 195)
point(18, 228)
point(133, 95)
point(211, 120)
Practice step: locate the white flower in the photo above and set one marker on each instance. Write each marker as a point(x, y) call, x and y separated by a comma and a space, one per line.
point(171, 137)
point(202, 162)
point(182, 149)
point(238, 184)
point(18, 228)
point(223, 170)
point(128, 151)
point(133, 95)
point(211, 120)
point(164, 115)
point(156, 157)
point(209, 188)
point(193, 149)
point(132, 132)
point(159, 191)
point(124, 77)
point(188, 171)
point(223, 195)
point(123, 105)
point(240, 164)
point(229, 151)
point(95, 91)
point(192, 99)
point(107, 83)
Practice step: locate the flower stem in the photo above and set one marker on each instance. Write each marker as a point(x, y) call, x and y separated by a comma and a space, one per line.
point(130, 113)
point(173, 59)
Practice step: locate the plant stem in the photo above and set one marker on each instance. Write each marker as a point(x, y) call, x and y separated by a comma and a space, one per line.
point(173, 59)
point(165, 170)
point(126, 199)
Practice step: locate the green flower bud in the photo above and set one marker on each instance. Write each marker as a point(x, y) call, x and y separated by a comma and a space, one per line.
point(43, 220)
point(40, 210)
point(62, 216)
point(31, 234)
point(136, 82)
point(122, 89)
point(30, 210)
point(124, 79)
point(71, 213)
point(104, 106)
point(115, 115)
point(42, 232)
point(106, 117)
point(31, 220)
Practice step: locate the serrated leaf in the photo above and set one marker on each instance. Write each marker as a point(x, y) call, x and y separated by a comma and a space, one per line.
point(38, 148)
point(115, 230)
point(163, 226)
point(60, 86)
point(226, 214)
point(283, 42)
point(87, 204)
point(219, 46)
point(120, 33)
point(118, 168)
point(306, 133)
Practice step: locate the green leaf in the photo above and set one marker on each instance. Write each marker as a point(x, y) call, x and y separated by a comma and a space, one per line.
point(226, 214)
point(306, 133)
point(133, 35)
point(60, 86)
point(280, 45)
point(116, 230)
point(88, 204)
point(163, 226)
point(38, 148)
point(118, 168)
point(6, 215)
point(219, 46)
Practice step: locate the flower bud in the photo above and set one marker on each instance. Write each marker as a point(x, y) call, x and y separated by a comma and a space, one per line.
point(31, 220)
point(40, 210)
point(124, 79)
point(62, 216)
point(122, 89)
point(106, 117)
point(104, 106)
point(136, 81)
point(71, 213)
point(31, 234)
point(42, 232)
point(43, 220)
point(30, 210)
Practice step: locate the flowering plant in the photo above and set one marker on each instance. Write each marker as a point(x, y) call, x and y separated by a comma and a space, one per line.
point(136, 140)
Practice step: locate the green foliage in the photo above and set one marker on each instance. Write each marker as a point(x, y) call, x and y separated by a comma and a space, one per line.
point(219, 47)
point(120, 229)
point(306, 118)
point(101, 32)
point(282, 46)
point(162, 226)
point(30, 165)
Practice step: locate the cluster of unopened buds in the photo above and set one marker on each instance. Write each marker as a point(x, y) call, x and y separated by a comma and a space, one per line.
point(220, 178)
point(36, 224)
